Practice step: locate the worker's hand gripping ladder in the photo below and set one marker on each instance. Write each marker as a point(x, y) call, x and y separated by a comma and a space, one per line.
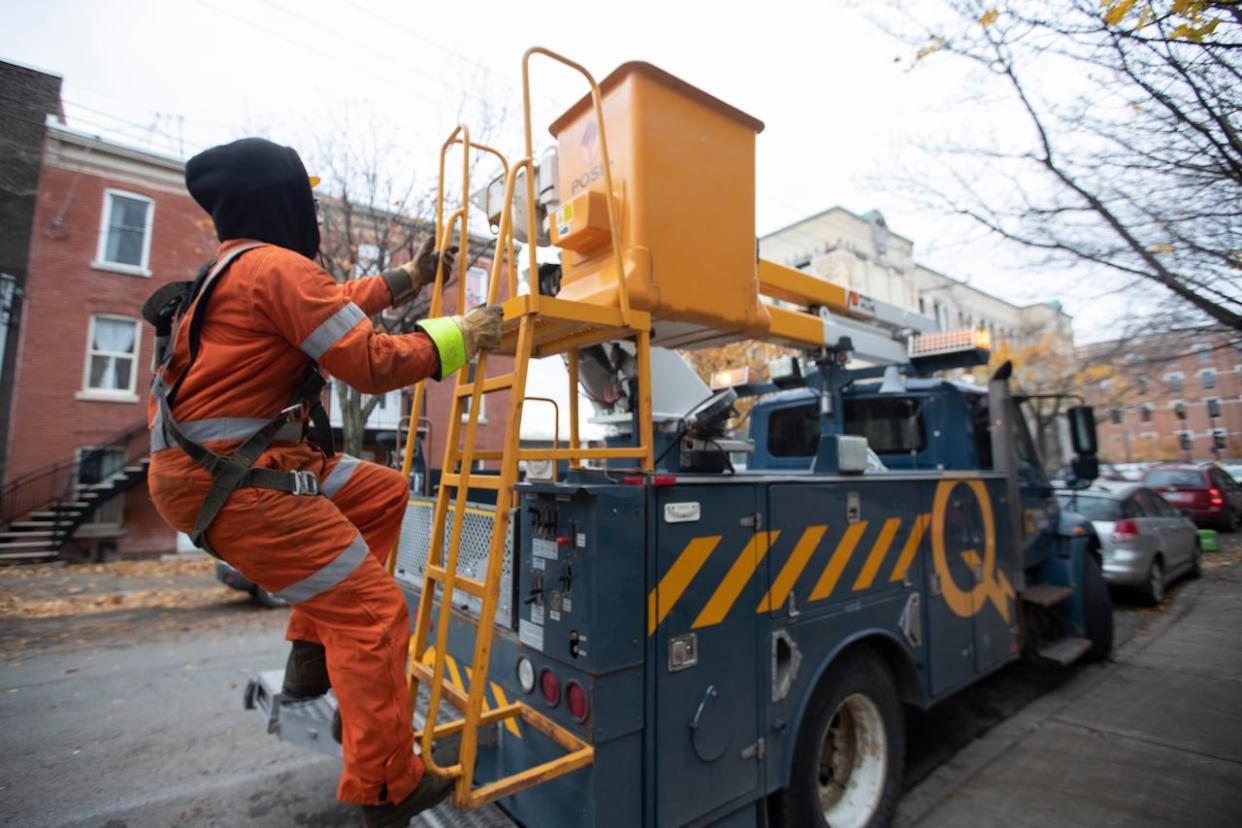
point(535, 326)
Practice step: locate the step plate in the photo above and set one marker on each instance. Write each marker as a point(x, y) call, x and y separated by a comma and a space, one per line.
point(1046, 595)
point(309, 724)
point(1065, 650)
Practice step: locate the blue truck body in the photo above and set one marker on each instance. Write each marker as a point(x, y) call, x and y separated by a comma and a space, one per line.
point(700, 612)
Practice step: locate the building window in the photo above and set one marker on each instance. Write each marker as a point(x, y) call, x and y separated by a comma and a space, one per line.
point(368, 260)
point(125, 233)
point(922, 306)
point(1141, 384)
point(111, 359)
point(1208, 377)
point(1204, 353)
point(1174, 381)
point(1145, 413)
point(476, 288)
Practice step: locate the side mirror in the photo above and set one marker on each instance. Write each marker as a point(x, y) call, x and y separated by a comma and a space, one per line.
point(1082, 430)
point(1086, 467)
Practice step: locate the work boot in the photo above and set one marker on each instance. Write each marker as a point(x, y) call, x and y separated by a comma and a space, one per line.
point(306, 672)
point(429, 792)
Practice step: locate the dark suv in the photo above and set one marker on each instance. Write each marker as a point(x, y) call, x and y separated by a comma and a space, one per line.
point(1209, 495)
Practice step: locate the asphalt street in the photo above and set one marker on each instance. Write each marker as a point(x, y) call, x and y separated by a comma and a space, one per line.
point(121, 712)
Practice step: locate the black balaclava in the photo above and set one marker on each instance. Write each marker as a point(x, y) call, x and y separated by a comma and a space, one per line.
point(255, 189)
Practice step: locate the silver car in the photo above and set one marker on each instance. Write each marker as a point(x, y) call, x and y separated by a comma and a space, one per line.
point(1146, 543)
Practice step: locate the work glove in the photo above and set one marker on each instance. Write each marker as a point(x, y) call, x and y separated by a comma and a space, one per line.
point(422, 268)
point(480, 328)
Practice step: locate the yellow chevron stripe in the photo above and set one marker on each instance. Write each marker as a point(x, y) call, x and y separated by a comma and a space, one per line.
point(502, 701)
point(878, 551)
point(510, 723)
point(661, 599)
point(797, 561)
point(735, 579)
point(911, 547)
point(840, 557)
point(454, 675)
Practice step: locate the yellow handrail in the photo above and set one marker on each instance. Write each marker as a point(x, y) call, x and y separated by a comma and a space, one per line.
point(614, 220)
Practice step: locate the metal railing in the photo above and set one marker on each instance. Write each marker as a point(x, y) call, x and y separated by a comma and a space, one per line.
point(54, 483)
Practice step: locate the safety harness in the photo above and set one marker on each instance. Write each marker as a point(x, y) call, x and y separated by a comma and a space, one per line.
point(167, 310)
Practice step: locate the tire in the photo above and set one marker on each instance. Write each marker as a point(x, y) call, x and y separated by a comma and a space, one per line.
point(1232, 520)
point(267, 599)
point(1097, 610)
point(1196, 561)
point(855, 718)
point(1153, 590)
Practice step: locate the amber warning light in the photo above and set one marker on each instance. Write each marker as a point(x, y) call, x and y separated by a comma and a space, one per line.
point(940, 350)
point(730, 377)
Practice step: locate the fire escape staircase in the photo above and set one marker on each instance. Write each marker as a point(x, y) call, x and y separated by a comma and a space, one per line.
point(43, 509)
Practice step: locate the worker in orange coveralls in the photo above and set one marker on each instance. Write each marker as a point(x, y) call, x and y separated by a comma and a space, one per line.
point(234, 405)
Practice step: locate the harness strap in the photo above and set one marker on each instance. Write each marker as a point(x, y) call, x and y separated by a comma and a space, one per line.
point(233, 471)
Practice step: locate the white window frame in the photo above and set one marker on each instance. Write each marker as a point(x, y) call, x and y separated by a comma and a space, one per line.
point(1203, 372)
point(101, 394)
point(100, 262)
point(1181, 381)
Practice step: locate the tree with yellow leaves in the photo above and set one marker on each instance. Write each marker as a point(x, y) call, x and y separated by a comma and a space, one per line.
point(1131, 165)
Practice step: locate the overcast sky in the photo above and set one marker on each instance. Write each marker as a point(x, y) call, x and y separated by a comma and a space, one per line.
point(841, 105)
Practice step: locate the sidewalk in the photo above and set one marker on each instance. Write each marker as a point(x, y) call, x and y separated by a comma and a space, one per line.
point(1151, 738)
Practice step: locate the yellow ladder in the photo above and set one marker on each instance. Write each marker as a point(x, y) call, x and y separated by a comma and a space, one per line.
point(535, 326)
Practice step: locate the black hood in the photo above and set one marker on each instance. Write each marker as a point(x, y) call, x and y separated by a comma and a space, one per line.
point(255, 189)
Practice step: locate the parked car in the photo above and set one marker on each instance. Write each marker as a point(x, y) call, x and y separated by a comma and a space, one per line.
point(1145, 542)
point(231, 577)
point(1233, 468)
point(1212, 497)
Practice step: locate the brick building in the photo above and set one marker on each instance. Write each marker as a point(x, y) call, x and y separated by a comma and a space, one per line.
point(1140, 385)
point(27, 97)
point(110, 225)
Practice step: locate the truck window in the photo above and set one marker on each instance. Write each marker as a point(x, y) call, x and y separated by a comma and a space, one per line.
point(794, 431)
point(1028, 457)
point(892, 425)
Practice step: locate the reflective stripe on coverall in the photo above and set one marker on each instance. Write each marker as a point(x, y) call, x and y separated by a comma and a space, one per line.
point(273, 312)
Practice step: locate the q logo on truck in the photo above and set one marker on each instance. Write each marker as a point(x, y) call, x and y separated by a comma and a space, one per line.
point(990, 583)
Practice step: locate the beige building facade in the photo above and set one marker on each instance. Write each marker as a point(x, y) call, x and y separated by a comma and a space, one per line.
point(861, 252)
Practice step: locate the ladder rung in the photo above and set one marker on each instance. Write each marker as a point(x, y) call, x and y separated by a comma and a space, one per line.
point(465, 584)
point(477, 480)
point(496, 383)
point(488, 454)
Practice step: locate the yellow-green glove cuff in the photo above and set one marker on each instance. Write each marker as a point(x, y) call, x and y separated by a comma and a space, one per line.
point(449, 342)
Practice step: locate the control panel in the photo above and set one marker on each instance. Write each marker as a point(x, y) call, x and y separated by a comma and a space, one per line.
point(581, 575)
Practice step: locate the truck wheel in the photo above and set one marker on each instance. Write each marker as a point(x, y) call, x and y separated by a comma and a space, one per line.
point(847, 764)
point(1097, 610)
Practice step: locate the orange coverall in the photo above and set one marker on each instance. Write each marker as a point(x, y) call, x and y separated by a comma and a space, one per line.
point(272, 313)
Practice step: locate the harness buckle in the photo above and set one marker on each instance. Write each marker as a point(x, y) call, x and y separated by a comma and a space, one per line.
point(305, 483)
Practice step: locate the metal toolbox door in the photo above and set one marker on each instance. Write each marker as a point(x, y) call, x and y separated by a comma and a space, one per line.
point(711, 573)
